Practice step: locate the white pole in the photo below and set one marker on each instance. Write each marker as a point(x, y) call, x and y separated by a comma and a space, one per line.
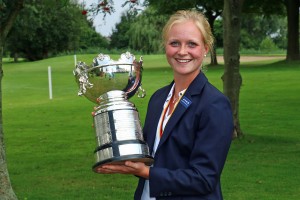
point(75, 59)
point(50, 82)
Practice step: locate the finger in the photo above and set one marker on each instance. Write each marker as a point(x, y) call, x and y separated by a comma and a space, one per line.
point(105, 171)
point(122, 169)
point(130, 164)
point(134, 165)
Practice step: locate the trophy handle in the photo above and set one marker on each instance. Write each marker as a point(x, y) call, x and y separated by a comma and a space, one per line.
point(135, 86)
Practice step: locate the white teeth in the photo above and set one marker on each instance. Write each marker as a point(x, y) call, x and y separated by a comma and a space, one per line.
point(183, 61)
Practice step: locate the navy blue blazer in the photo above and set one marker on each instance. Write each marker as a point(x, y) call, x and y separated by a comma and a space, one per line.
point(192, 151)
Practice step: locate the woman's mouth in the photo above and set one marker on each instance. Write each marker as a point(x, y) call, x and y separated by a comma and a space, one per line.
point(183, 60)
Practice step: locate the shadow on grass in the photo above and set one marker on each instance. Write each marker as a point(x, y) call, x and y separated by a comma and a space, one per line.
point(271, 64)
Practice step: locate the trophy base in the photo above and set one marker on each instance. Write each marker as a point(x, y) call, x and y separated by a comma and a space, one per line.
point(148, 160)
point(117, 152)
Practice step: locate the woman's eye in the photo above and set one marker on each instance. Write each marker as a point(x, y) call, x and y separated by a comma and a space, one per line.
point(192, 44)
point(174, 44)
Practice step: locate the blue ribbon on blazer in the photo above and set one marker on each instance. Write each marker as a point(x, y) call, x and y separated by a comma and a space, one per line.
point(193, 148)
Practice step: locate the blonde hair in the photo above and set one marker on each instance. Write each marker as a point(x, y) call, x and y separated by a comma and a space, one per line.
point(200, 21)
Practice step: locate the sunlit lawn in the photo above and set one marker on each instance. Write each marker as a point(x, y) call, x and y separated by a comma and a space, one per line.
point(50, 143)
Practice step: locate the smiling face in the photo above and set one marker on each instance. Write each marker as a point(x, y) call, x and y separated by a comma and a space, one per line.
point(185, 49)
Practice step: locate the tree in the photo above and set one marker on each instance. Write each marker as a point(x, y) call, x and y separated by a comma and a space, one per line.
point(147, 41)
point(260, 27)
point(232, 79)
point(255, 28)
point(38, 33)
point(292, 7)
point(291, 10)
point(120, 36)
point(9, 9)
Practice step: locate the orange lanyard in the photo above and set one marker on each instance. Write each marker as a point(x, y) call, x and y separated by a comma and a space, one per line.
point(163, 119)
point(161, 126)
point(164, 114)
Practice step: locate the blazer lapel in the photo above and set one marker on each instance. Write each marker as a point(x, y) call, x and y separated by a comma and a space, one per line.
point(158, 108)
point(185, 102)
point(177, 114)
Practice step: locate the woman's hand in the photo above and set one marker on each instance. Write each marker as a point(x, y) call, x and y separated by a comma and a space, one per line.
point(129, 167)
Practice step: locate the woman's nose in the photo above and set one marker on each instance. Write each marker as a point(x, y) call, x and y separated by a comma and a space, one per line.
point(182, 50)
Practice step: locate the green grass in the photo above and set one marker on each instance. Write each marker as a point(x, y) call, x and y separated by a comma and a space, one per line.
point(50, 143)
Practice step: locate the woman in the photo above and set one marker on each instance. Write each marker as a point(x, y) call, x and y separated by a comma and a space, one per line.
point(188, 125)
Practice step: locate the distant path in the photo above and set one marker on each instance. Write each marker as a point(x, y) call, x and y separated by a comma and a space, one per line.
point(250, 58)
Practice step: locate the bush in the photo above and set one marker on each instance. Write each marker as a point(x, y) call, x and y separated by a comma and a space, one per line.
point(268, 45)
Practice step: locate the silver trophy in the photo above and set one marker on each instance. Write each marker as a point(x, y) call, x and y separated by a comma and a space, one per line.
point(110, 84)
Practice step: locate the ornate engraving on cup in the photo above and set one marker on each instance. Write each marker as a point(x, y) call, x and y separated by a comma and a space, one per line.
point(118, 131)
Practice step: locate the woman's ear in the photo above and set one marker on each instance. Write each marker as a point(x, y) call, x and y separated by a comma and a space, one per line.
point(206, 49)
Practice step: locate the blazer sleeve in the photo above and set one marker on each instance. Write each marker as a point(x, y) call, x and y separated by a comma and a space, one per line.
point(213, 134)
